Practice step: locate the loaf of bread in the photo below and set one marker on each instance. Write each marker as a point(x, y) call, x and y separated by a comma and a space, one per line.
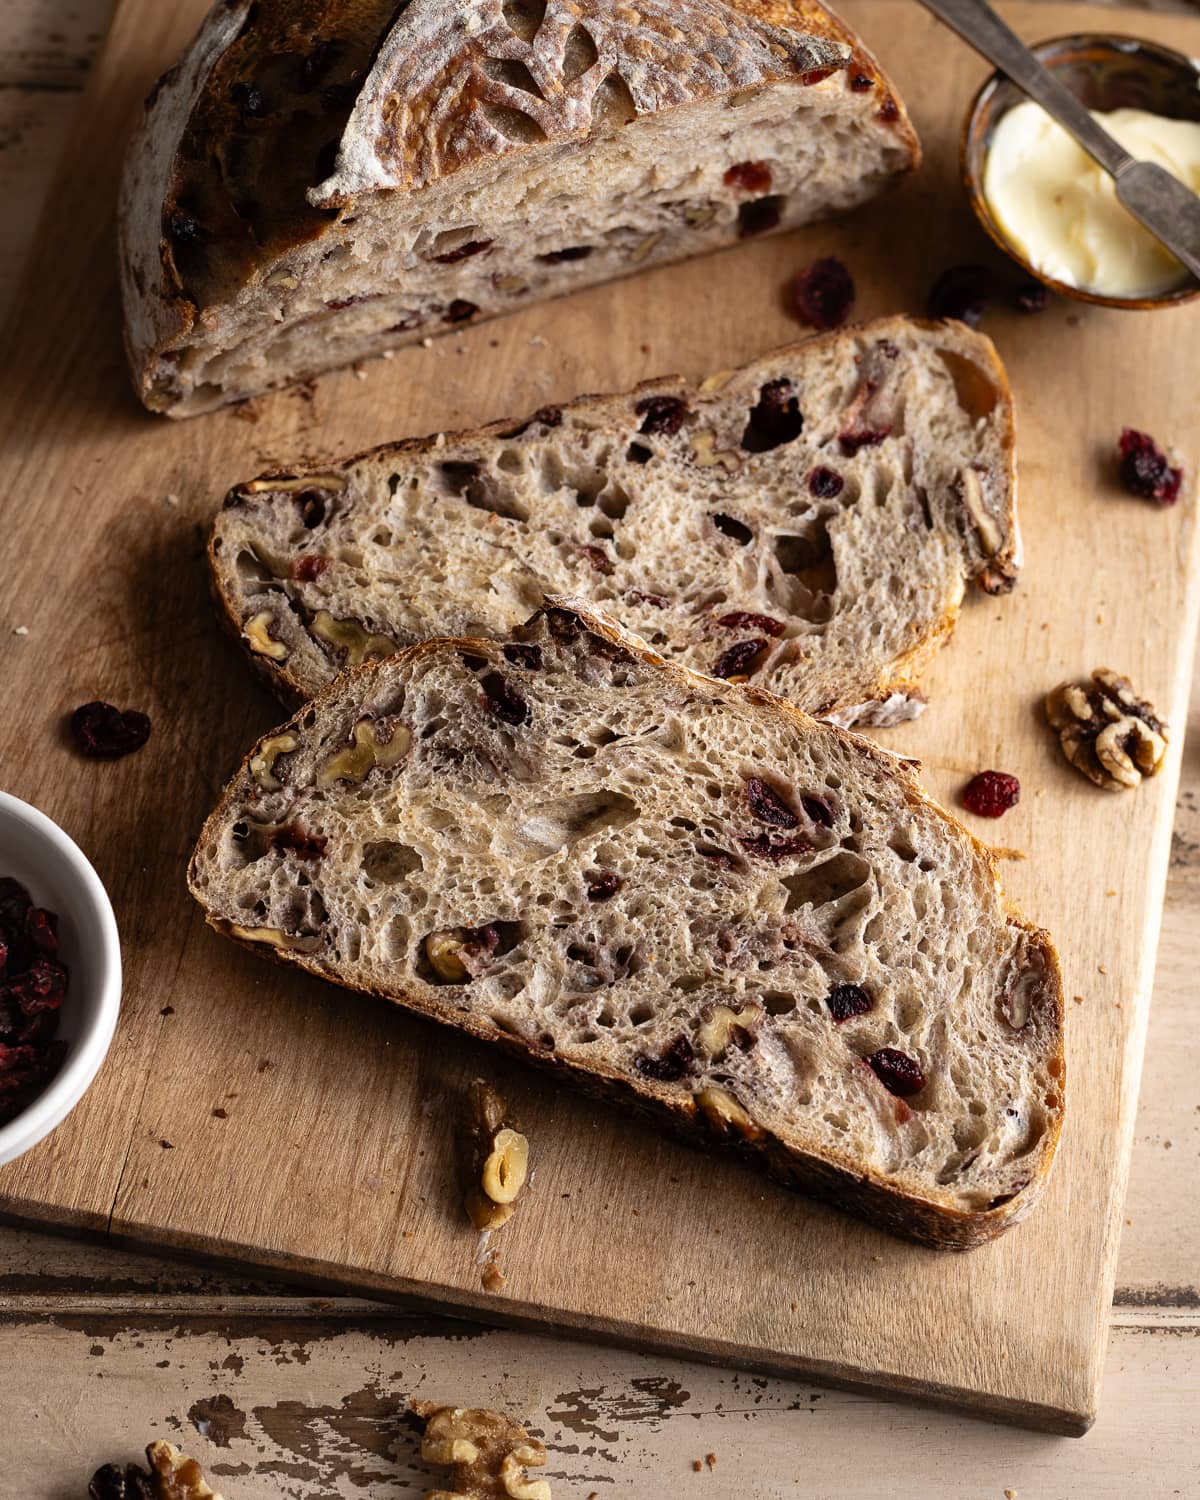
point(321, 180)
point(689, 895)
point(808, 523)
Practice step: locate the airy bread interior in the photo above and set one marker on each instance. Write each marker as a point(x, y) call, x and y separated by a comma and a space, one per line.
point(745, 528)
point(658, 882)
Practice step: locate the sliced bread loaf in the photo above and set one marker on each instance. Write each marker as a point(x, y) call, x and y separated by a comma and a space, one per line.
point(808, 523)
point(320, 180)
point(748, 922)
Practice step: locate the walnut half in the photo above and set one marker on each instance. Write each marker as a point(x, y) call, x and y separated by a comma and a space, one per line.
point(495, 1159)
point(487, 1451)
point(1107, 731)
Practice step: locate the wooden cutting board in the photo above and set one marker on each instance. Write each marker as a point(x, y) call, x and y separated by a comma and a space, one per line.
point(259, 1116)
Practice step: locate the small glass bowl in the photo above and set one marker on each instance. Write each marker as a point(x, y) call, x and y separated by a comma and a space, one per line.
point(1104, 72)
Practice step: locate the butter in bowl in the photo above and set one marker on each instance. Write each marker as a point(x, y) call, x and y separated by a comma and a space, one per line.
point(1048, 205)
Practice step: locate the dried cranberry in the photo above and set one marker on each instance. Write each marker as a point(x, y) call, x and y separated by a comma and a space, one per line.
point(42, 927)
point(763, 846)
point(671, 1064)
point(250, 100)
point(742, 619)
point(529, 657)
point(114, 1483)
point(308, 569)
point(548, 416)
point(1145, 470)
point(888, 112)
point(291, 837)
point(662, 416)
point(15, 904)
point(824, 294)
point(846, 1000)
point(900, 1074)
point(503, 702)
point(767, 805)
point(464, 252)
point(816, 75)
point(864, 437)
point(459, 311)
point(1031, 296)
point(961, 292)
point(825, 483)
point(604, 885)
point(598, 559)
point(775, 419)
point(738, 659)
point(41, 987)
point(102, 731)
point(183, 229)
point(759, 216)
point(818, 810)
point(861, 82)
point(991, 793)
point(572, 252)
point(655, 601)
point(749, 177)
point(478, 946)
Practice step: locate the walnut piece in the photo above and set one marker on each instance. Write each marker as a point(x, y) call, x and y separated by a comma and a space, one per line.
point(257, 632)
point(350, 637)
point(262, 765)
point(971, 492)
point(705, 454)
point(724, 1113)
point(723, 1026)
point(495, 1159)
point(487, 1451)
point(1107, 731)
point(293, 942)
point(370, 749)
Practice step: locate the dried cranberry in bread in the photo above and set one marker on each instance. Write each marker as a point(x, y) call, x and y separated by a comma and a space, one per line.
point(319, 180)
point(752, 924)
point(808, 523)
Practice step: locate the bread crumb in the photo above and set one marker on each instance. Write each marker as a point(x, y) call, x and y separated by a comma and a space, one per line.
point(1004, 853)
point(697, 1466)
point(537, 342)
point(359, 372)
point(1110, 893)
point(388, 354)
point(20, 630)
point(171, 499)
point(1102, 968)
point(1010, 1495)
point(426, 342)
point(711, 1460)
point(1078, 999)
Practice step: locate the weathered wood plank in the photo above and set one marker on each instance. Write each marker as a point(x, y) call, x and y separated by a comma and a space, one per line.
point(309, 1408)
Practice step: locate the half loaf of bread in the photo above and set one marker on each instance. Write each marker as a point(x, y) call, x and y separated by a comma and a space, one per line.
point(320, 180)
point(750, 923)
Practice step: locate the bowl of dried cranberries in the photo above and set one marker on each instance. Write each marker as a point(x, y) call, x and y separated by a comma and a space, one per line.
point(60, 976)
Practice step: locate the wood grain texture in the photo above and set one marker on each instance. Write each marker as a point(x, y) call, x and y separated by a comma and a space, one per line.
point(87, 431)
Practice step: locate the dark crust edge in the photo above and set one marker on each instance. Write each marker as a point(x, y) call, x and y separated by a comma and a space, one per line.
point(899, 675)
point(835, 1181)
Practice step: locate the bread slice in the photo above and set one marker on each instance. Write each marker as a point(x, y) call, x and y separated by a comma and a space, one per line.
point(808, 523)
point(750, 923)
point(321, 180)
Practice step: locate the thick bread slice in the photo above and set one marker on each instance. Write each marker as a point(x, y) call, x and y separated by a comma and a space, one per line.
point(808, 523)
point(319, 180)
point(656, 883)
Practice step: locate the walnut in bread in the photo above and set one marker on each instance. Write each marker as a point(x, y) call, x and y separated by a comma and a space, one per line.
point(320, 180)
point(751, 924)
point(810, 561)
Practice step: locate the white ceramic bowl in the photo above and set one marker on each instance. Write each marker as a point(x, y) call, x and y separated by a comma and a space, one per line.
point(57, 874)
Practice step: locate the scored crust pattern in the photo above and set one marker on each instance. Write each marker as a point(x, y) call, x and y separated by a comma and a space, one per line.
point(452, 85)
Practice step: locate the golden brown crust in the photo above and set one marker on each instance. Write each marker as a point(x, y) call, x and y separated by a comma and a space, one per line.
point(837, 1180)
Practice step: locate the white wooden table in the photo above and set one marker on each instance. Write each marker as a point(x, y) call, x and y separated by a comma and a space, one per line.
point(282, 1394)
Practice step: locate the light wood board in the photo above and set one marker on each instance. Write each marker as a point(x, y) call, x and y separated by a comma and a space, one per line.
point(332, 1160)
